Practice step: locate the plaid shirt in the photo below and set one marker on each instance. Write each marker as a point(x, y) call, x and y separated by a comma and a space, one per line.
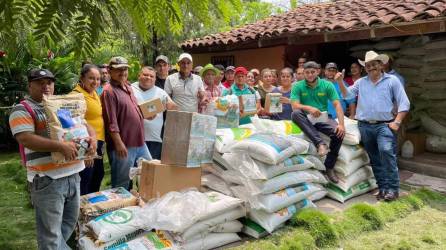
point(211, 93)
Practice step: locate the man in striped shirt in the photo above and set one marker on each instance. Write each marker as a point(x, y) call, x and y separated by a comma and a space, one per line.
point(55, 187)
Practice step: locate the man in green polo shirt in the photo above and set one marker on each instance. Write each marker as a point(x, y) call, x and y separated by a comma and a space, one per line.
point(309, 99)
point(239, 88)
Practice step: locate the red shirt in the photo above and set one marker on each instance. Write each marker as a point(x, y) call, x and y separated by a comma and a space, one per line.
point(122, 115)
point(227, 84)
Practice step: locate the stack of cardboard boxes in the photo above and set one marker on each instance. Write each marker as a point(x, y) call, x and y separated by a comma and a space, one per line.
point(188, 144)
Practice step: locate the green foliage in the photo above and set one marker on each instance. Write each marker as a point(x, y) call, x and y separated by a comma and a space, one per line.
point(318, 225)
point(297, 240)
point(360, 217)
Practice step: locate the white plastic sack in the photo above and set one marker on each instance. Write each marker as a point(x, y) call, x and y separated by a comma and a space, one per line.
point(349, 152)
point(206, 226)
point(233, 176)
point(352, 134)
point(271, 148)
point(436, 144)
point(283, 127)
point(168, 212)
point(88, 243)
point(228, 227)
point(341, 196)
point(318, 195)
point(212, 240)
point(284, 198)
point(360, 175)
point(348, 168)
point(317, 161)
point(226, 137)
point(283, 181)
point(116, 224)
point(431, 126)
point(271, 221)
point(215, 183)
point(254, 169)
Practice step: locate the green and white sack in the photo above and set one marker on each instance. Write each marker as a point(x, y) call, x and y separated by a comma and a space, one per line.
point(227, 137)
point(361, 188)
point(282, 127)
point(349, 152)
point(154, 240)
point(360, 175)
point(346, 169)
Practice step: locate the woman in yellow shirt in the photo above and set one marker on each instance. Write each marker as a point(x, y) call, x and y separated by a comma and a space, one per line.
point(92, 175)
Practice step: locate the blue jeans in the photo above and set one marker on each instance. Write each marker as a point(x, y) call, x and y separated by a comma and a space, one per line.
point(379, 142)
point(91, 177)
point(120, 167)
point(56, 204)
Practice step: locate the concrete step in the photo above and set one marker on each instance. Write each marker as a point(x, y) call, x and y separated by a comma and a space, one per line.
point(426, 164)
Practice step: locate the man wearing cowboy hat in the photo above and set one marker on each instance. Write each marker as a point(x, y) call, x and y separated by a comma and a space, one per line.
point(378, 93)
point(185, 88)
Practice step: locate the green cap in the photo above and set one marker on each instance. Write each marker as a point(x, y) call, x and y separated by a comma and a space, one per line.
point(209, 67)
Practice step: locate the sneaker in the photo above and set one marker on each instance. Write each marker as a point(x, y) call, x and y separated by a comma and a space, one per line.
point(331, 174)
point(380, 195)
point(322, 150)
point(391, 196)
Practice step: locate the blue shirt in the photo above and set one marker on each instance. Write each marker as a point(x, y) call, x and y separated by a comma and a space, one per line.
point(344, 102)
point(393, 72)
point(376, 101)
point(286, 107)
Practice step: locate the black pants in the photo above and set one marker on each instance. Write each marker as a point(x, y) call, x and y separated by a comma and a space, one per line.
point(312, 132)
point(91, 177)
point(155, 149)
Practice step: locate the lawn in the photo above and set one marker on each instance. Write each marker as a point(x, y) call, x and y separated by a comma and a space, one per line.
point(414, 222)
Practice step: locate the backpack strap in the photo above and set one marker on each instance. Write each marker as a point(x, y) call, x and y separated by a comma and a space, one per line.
point(33, 116)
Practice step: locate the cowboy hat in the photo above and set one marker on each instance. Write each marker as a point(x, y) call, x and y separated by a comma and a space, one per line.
point(373, 56)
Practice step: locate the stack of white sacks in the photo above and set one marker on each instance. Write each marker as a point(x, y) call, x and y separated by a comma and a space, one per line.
point(182, 220)
point(271, 167)
point(352, 167)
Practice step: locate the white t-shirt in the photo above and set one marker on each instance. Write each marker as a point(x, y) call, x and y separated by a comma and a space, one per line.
point(152, 128)
point(184, 92)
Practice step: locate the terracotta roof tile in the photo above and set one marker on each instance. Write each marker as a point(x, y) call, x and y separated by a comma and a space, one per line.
point(338, 15)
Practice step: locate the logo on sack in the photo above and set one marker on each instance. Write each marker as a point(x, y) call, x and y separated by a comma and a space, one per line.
point(121, 216)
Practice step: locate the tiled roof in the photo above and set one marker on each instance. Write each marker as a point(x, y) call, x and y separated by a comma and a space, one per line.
point(333, 16)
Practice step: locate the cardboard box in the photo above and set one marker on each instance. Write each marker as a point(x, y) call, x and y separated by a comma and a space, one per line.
point(189, 139)
point(151, 107)
point(247, 104)
point(158, 179)
point(272, 103)
point(418, 140)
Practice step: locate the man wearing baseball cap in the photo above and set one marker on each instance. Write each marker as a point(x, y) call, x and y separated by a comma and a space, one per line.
point(123, 124)
point(54, 187)
point(162, 70)
point(378, 94)
point(229, 76)
point(337, 78)
point(309, 98)
point(185, 88)
point(239, 88)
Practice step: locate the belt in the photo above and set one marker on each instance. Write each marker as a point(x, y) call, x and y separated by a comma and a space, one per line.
point(376, 122)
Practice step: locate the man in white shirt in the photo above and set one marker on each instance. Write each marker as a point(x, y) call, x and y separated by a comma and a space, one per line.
point(186, 88)
point(145, 90)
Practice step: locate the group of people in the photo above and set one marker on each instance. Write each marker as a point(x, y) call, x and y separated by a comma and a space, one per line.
point(377, 100)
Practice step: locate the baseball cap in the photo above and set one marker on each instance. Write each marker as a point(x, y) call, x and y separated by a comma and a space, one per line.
point(162, 58)
point(37, 74)
point(241, 70)
point(185, 55)
point(230, 68)
point(311, 65)
point(220, 67)
point(331, 65)
point(118, 62)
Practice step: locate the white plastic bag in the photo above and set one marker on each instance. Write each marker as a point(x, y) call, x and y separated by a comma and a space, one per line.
point(362, 174)
point(283, 127)
point(154, 240)
point(206, 226)
point(346, 169)
point(210, 241)
point(352, 134)
point(284, 198)
point(116, 224)
point(271, 148)
point(215, 183)
point(254, 169)
point(283, 181)
point(234, 226)
point(88, 243)
point(341, 196)
point(271, 221)
point(226, 137)
point(318, 195)
point(317, 161)
point(349, 152)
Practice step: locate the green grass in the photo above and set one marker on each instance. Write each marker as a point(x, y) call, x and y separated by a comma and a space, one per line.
point(417, 221)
